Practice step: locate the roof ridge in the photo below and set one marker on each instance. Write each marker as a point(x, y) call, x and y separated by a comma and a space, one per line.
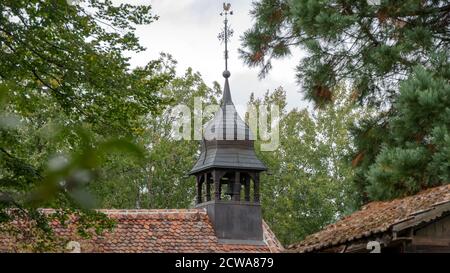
point(417, 195)
point(140, 211)
point(150, 211)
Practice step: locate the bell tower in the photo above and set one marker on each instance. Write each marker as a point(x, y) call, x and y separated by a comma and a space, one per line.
point(227, 170)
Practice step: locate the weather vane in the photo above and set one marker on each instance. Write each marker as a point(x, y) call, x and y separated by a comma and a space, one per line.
point(226, 33)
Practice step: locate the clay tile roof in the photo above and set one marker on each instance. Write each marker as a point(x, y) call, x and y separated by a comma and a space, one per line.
point(172, 230)
point(375, 217)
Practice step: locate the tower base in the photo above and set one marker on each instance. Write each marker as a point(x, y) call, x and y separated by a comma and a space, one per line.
point(235, 221)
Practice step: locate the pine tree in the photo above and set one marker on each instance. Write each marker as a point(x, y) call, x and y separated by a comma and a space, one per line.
point(387, 52)
point(415, 152)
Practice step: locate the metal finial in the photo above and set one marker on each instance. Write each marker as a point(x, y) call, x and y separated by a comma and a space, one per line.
point(226, 33)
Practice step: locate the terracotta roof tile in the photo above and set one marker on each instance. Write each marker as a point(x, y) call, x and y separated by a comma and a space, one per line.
point(375, 217)
point(177, 230)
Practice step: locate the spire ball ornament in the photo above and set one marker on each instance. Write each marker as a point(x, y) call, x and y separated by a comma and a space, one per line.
point(226, 74)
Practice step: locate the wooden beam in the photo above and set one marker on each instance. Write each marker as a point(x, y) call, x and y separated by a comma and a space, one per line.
point(237, 187)
point(199, 189)
point(425, 216)
point(422, 241)
point(256, 188)
point(208, 188)
point(216, 181)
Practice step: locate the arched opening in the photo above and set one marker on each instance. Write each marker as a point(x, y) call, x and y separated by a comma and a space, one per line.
point(228, 186)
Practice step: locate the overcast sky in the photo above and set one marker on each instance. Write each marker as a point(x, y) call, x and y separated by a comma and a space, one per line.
point(187, 29)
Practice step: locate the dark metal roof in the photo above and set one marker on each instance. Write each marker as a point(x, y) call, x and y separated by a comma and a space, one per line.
point(227, 154)
point(227, 140)
point(227, 125)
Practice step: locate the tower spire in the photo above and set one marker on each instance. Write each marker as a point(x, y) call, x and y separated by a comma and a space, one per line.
point(226, 33)
point(223, 36)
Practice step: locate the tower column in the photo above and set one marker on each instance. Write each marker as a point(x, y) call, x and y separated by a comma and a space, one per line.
point(199, 189)
point(256, 188)
point(208, 187)
point(216, 181)
point(236, 187)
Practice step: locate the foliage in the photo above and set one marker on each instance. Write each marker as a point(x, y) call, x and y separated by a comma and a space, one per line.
point(415, 151)
point(309, 181)
point(70, 102)
point(374, 48)
point(162, 181)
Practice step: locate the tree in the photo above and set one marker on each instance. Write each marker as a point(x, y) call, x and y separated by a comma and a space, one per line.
point(372, 47)
point(162, 180)
point(309, 181)
point(68, 100)
point(415, 153)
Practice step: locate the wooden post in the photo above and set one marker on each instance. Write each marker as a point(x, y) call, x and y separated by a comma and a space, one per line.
point(208, 188)
point(216, 180)
point(237, 187)
point(256, 188)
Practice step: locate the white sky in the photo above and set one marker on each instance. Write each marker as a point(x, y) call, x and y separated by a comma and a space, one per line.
point(187, 29)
